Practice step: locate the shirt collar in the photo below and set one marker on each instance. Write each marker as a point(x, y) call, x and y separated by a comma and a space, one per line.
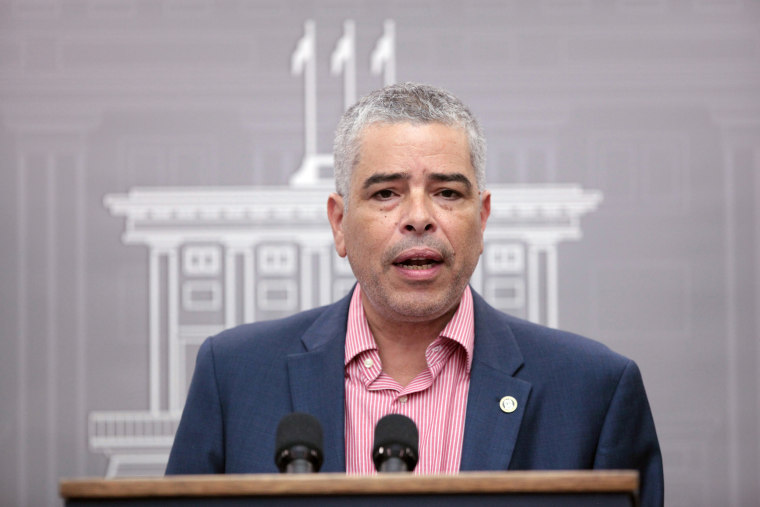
point(460, 329)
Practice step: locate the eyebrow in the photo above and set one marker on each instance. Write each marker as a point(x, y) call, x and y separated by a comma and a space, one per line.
point(440, 177)
point(384, 178)
point(452, 177)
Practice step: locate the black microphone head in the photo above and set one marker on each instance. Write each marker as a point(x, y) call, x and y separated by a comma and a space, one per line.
point(299, 436)
point(396, 437)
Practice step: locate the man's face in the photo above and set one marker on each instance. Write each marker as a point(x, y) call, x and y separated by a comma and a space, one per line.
point(413, 225)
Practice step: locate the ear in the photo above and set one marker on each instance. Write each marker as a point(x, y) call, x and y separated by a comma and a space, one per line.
point(335, 213)
point(485, 212)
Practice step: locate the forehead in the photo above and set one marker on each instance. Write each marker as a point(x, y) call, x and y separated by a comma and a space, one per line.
point(388, 144)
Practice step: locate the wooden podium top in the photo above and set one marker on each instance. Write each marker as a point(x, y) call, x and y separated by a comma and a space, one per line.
point(586, 481)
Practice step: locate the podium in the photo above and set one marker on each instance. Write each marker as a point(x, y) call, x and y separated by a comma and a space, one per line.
point(517, 488)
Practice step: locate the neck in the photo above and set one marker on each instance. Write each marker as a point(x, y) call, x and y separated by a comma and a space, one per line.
point(402, 344)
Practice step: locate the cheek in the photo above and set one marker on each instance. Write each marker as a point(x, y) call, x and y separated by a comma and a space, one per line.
point(466, 235)
point(376, 227)
point(364, 236)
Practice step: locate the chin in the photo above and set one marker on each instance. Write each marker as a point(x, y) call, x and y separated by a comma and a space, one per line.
point(420, 303)
point(418, 308)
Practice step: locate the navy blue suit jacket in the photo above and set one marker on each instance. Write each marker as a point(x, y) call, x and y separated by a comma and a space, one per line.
point(579, 405)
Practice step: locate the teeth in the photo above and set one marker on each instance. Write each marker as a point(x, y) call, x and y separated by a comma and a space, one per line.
point(417, 266)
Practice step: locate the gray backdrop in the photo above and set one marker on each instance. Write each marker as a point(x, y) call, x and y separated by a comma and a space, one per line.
point(654, 103)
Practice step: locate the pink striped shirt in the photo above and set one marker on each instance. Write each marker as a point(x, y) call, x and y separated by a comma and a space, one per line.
point(436, 399)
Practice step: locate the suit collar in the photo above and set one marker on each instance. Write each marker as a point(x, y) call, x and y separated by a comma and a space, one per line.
point(329, 326)
point(495, 344)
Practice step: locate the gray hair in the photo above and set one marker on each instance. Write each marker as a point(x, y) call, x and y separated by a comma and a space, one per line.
point(405, 102)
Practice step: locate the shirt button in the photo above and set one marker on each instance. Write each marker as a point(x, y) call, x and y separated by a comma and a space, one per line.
point(436, 348)
point(368, 362)
point(403, 399)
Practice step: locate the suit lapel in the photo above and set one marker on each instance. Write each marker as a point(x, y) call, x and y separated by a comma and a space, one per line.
point(317, 380)
point(491, 432)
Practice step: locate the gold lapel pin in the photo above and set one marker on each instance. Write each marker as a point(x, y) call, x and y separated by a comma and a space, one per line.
point(508, 404)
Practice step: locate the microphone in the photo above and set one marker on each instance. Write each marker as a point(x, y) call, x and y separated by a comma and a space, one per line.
point(298, 446)
point(395, 447)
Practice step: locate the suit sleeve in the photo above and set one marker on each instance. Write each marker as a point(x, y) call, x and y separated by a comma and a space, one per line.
point(628, 439)
point(199, 443)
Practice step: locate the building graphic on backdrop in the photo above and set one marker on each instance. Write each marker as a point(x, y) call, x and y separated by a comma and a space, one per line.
point(219, 257)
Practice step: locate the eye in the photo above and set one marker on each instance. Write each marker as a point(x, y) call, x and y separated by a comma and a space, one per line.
point(449, 194)
point(383, 194)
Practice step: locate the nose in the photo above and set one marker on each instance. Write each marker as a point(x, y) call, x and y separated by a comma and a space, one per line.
point(419, 215)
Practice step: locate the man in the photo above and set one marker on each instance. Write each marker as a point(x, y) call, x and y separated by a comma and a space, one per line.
point(486, 390)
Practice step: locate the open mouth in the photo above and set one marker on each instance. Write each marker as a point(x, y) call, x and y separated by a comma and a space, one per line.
point(418, 259)
point(417, 263)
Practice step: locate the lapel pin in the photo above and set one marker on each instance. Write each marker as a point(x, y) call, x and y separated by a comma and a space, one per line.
point(508, 404)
